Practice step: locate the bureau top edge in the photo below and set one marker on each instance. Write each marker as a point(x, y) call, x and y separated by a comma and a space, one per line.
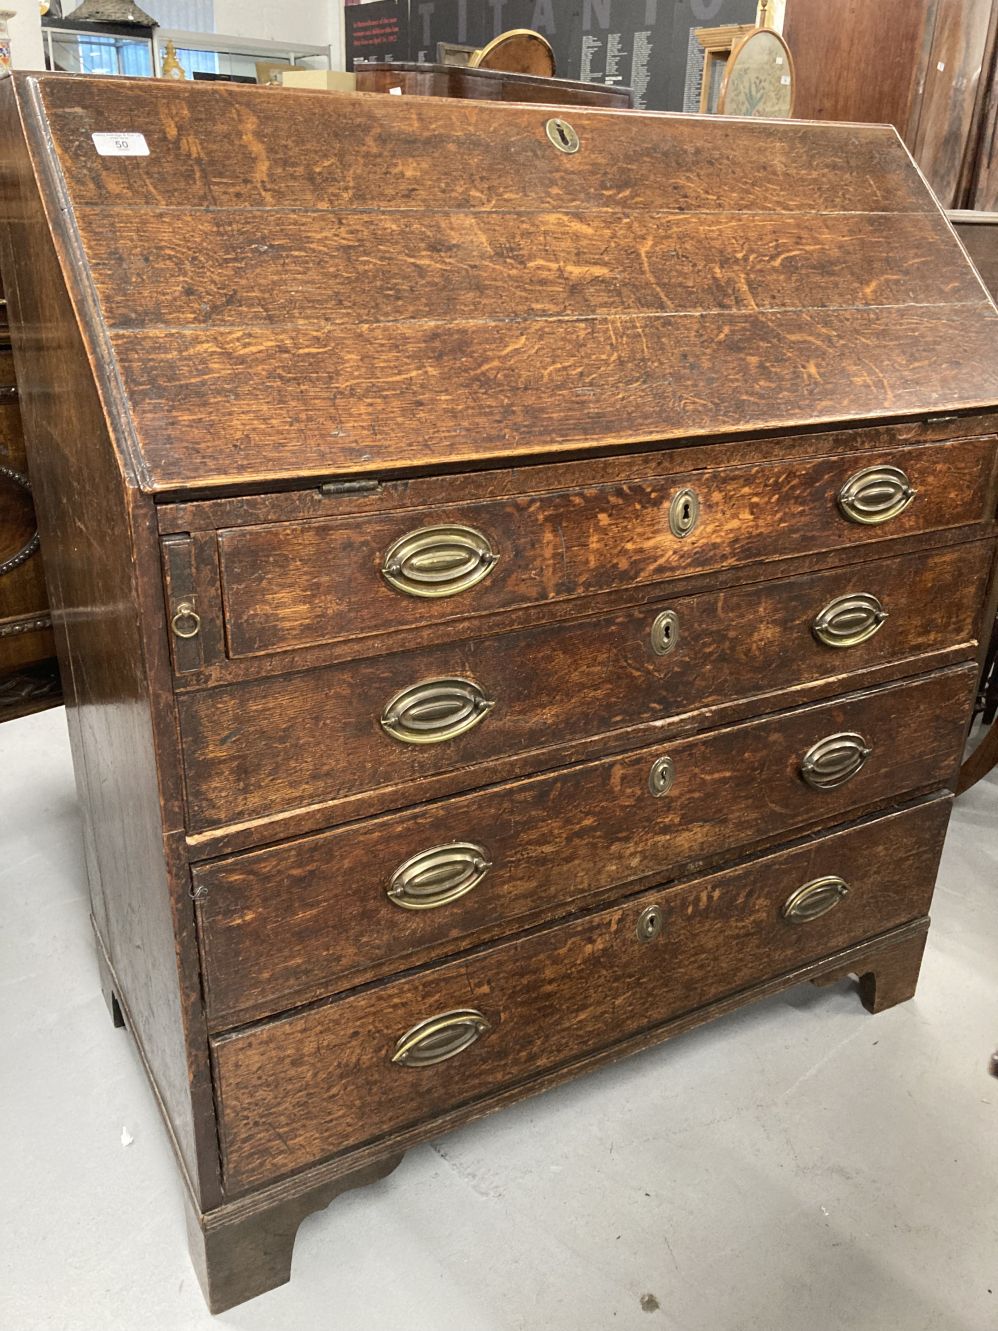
point(600, 463)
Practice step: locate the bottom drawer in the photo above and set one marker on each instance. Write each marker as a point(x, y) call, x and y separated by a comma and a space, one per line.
point(305, 1086)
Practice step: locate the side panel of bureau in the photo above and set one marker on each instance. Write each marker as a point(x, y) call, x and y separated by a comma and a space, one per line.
point(297, 921)
point(106, 598)
point(304, 1087)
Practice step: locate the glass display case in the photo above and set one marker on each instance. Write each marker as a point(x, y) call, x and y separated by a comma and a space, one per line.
point(87, 50)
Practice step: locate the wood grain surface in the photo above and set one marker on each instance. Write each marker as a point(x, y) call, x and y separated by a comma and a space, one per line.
point(291, 923)
point(29, 673)
point(509, 299)
point(105, 589)
point(953, 89)
point(373, 397)
point(422, 79)
point(297, 1089)
point(180, 269)
point(860, 61)
point(255, 749)
point(297, 585)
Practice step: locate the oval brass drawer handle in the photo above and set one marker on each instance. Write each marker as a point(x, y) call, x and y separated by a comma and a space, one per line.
point(436, 710)
point(439, 875)
point(439, 561)
point(834, 760)
point(875, 494)
point(849, 620)
point(814, 899)
point(438, 1038)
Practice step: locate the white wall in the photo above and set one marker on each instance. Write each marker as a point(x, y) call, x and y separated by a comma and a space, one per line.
point(304, 21)
point(25, 30)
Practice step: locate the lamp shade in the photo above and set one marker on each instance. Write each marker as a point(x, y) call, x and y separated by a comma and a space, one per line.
point(112, 11)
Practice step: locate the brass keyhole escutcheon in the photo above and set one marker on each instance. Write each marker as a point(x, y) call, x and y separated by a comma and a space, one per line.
point(684, 512)
point(661, 776)
point(649, 924)
point(665, 633)
point(562, 135)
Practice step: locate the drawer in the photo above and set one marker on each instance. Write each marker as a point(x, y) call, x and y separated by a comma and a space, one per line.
point(297, 584)
point(294, 1090)
point(298, 921)
point(268, 746)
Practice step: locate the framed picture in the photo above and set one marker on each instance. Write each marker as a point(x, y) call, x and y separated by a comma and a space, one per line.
point(717, 44)
point(758, 77)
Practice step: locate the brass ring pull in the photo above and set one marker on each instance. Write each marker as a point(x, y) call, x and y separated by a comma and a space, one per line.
point(186, 623)
point(438, 561)
point(834, 760)
point(438, 1038)
point(814, 899)
point(438, 876)
point(436, 710)
point(849, 620)
point(875, 495)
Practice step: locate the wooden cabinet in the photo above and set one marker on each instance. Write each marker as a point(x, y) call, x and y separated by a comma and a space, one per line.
point(528, 604)
point(421, 79)
point(29, 673)
point(925, 66)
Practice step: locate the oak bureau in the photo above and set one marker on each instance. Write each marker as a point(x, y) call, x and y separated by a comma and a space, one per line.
point(518, 577)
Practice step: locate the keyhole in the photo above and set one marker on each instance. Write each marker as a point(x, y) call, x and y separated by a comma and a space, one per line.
point(684, 512)
point(562, 135)
point(665, 632)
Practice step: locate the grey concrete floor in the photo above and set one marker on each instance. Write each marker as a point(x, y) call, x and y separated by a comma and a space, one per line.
point(799, 1166)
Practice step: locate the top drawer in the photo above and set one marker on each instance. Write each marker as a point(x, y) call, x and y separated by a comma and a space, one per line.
point(288, 585)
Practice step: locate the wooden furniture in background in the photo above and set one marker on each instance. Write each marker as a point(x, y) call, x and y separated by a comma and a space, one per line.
point(983, 188)
point(979, 233)
point(29, 672)
point(858, 61)
point(925, 66)
point(758, 77)
point(529, 596)
point(519, 51)
point(491, 85)
point(717, 43)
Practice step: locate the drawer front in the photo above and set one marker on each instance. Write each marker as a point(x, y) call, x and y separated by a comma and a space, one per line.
point(288, 585)
point(300, 920)
point(270, 746)
point(303, 1087)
